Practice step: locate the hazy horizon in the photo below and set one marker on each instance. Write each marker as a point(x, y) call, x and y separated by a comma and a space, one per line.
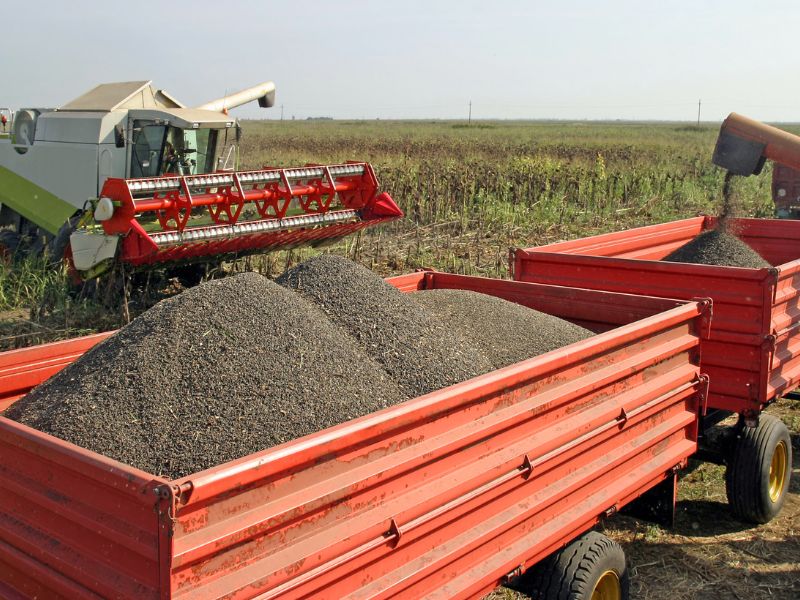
point(555, 121)
point(514, 60)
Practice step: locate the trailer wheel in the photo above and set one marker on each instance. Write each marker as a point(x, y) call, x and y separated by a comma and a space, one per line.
point(590, 568)
point(759, 469)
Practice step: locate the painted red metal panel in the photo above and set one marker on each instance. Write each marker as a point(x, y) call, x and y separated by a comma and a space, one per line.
point(22, 369)
point(753, 308)
point(440, 496)
point(329, 203)
point(410, 282)
point(785, 190)
point(72, 522)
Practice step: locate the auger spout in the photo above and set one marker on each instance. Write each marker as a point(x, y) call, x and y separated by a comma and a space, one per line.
point(263, 92)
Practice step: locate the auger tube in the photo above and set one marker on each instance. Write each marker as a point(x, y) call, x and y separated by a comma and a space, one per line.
point(744, 144)
point(263, 92)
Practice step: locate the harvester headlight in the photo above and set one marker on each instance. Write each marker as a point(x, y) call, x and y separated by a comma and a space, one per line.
point(781, 192)
point(104, 209)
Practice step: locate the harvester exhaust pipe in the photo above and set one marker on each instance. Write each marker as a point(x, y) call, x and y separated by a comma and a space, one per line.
point(263, 92)
point(744, 145)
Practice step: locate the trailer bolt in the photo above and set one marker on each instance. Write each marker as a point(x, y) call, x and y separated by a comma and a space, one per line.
point(162, 491)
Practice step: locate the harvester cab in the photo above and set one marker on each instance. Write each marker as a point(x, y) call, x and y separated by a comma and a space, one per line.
point(127, 174)
point(743, 147)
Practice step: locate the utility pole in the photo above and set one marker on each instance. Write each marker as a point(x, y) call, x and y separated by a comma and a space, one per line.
point(281, 112)
point(469, 121)
point(699, 102)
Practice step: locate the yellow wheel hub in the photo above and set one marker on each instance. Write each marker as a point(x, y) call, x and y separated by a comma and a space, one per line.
point(778, 470)
point(607, 587)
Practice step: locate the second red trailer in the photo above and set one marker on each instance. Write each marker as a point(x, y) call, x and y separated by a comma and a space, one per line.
point(753, 352)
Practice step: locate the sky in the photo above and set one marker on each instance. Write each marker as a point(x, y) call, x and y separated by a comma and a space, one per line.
point(353, 59)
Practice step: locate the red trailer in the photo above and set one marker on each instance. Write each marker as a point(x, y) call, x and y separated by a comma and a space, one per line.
point(444, 496)
point(753, 353)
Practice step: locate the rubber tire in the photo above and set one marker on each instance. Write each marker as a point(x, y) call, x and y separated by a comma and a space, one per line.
point(747, 475)
point(188, 275)
point(59, 244)
point(572, 573)
point(9, 244)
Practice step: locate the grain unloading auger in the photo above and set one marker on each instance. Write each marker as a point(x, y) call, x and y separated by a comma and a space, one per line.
point(127, 174)
point(744, 145)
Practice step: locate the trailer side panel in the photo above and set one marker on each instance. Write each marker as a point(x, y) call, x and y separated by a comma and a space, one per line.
point(74, 524)
point(751, 355)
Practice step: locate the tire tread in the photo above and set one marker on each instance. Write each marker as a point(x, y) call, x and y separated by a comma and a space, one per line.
point(569, 573)
point(748, 462)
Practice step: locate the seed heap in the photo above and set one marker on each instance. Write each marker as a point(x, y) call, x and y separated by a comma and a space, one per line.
point(504, 332)
point(220, 371)
point(238, 365)
point(419, 352)
point(718, 247)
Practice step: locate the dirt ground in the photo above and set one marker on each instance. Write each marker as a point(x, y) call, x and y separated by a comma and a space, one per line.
point(709, 554)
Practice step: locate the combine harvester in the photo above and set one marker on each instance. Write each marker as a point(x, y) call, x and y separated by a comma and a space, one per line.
point(127, 174)
point(444, 496)
point(753, 353)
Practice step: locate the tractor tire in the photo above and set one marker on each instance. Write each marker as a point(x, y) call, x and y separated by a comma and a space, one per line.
point(590, 568)
point(759, 470)
point(9, 245)
point(188, 275)
point(59, 249)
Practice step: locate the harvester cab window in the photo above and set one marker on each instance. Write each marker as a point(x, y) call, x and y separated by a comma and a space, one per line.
point(148, 140)
point(162, 150)
point(175, 159)
point(205, 142)
point(189, 151)
point(228, 155)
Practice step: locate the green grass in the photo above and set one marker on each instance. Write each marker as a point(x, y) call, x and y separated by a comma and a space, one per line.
point(24, 284)
point(38, 305)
